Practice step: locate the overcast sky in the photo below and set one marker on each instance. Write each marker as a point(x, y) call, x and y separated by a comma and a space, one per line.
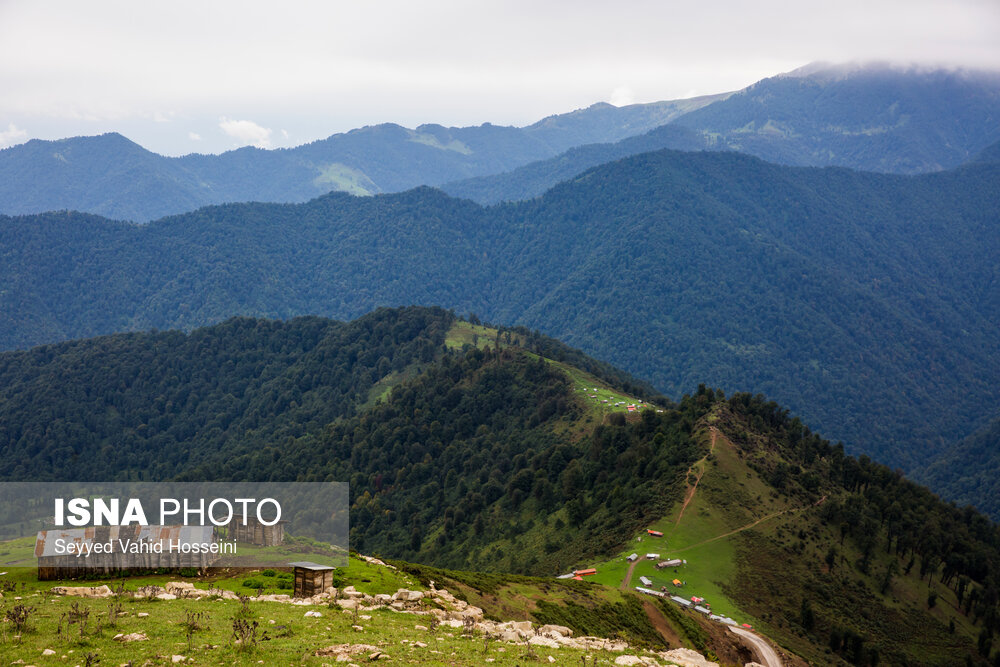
point(208, 76)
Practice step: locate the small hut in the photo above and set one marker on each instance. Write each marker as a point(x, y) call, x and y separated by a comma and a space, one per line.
point(311, 578)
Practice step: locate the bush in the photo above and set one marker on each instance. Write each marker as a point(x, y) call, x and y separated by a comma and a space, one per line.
point(268, 573)
point(254, 583)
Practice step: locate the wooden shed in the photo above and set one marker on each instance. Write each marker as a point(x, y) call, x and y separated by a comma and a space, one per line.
point(311, 578)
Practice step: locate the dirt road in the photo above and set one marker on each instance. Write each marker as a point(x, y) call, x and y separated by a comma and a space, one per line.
point(628, 575)
point(766, 655)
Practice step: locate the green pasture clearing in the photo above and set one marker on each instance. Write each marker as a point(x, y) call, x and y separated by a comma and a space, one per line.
point(464, 333)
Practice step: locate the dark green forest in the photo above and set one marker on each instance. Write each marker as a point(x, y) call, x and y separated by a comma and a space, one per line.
point(148, 405)
point(967, 472)
point(894, 525)
point(864, 302)
point(465, 467)
point(485, 458)
point(417, 429)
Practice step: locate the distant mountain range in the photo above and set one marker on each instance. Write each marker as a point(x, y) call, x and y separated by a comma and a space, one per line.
point(873, 118)
point(111, 176)
point(865, 302)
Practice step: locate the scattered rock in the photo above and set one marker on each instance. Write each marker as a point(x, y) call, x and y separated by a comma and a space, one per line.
point(358, 628)
point(510, 636)
point(629, 660)
point(346, 650)
point(522, 626)
point(174, 586)
point(685, 657)
point(540, 640)
point(376, 561)
point(419, 627)
point(177, 658)
point(404, 595)
point(142, 614)
point(351, 592)
point(560, 630)
point(132, 637)
point(313, 614)
point(83, 591)
point(48, 651)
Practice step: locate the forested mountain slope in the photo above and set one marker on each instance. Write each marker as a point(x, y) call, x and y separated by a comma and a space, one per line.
point(869, 118)
point(470, 447)
point(535, 178)
point(865, 302)
point(874, 118)
point(967, 471)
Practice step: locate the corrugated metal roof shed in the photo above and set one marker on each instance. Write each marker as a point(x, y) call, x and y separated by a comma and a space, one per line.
point(309, 565)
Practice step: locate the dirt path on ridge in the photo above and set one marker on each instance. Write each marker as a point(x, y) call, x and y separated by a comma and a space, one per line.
point(689, 494)
point(751, 525)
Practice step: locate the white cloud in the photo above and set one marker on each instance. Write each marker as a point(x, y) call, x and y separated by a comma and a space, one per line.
point(246, 132)
point(12, 135)
point(329, 66)
point(194, 136)
point(622, 96)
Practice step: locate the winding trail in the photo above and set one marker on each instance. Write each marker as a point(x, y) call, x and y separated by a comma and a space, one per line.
point(766, 655)
point(751, 525)
point(689, 494)
point(628, 576)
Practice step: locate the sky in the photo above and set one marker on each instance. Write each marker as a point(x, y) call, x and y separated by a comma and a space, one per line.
point(208, 76)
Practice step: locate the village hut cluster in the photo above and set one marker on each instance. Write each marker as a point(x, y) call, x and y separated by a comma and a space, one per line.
point(695, 603)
